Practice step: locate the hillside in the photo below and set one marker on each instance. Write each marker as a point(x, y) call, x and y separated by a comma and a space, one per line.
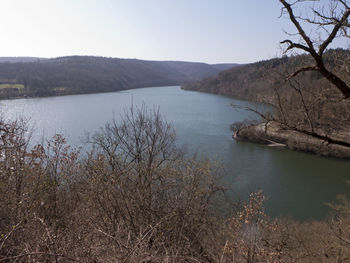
point(308, 104)
point(32, 77)
point(263, 81)
point(254, 81)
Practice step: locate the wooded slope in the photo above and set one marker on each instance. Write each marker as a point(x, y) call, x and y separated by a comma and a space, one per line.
point(307, 103)
point(86, 74)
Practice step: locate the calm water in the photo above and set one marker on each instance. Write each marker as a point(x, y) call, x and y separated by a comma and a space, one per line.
point(296, 184)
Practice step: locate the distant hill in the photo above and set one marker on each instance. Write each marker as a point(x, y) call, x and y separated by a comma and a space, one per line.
point(87, 74)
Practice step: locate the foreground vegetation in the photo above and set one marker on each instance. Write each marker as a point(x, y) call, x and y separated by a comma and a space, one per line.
point(136, 197)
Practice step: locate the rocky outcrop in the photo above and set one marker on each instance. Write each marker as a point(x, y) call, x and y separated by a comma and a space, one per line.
point(274, 134)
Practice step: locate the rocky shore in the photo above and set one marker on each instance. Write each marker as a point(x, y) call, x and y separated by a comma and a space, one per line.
point(274, 134)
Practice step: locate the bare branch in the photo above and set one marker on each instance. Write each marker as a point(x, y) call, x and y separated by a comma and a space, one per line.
point(236, 106)
point(340, 24)
point(298, 26)
point(334, 32)
point(304, 69)
point(292, 45)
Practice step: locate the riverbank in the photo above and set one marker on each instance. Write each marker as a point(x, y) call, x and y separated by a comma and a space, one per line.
point(274, 134)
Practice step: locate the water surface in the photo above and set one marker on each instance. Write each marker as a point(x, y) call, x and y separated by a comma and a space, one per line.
point(296, 184)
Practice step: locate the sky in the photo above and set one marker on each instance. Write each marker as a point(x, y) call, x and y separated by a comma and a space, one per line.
point(211, 31)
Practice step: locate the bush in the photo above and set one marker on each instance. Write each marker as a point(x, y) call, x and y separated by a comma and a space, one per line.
point(136, 197)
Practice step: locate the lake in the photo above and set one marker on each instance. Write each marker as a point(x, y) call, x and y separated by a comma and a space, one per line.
point(296, 184)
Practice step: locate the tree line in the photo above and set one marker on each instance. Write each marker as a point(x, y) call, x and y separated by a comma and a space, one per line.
point(87, 74)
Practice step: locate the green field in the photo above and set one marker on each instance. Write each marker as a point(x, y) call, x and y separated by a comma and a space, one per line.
point(11, 86)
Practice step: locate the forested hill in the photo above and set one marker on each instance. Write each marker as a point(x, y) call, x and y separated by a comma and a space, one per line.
point(33, 77)
point(259, 81)
point(308, 102)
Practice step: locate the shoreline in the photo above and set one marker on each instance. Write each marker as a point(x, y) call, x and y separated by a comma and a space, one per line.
point(273, 134)
point(82, 93)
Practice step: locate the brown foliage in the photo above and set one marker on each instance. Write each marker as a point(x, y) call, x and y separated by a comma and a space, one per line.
point(135, 197)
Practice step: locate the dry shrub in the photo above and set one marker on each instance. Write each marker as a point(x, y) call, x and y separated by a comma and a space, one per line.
point(136, 197)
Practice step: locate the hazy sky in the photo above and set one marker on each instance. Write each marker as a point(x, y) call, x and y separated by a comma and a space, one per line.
point(211, 31)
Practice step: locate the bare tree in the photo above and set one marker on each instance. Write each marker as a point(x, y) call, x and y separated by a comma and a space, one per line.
point(330, 22)
point(146, 193)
